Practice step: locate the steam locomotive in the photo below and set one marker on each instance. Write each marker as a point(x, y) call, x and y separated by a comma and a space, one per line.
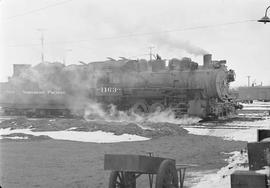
point(138, 85)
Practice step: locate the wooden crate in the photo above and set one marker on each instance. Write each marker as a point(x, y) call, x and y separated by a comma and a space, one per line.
point(248, 179)
point(258, 155)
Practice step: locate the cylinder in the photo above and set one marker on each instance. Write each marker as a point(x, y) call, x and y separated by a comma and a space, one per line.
point(207, 59)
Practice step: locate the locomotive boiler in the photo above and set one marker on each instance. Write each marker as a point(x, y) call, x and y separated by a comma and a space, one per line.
point(181, 85)
point(138, 85)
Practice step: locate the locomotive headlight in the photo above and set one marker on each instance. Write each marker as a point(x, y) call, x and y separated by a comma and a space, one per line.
point(230, 75)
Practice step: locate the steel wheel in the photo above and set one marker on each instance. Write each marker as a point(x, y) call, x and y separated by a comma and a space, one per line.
point(122, 180)
point(156, 107)
point(140, 108)
point(167, 175)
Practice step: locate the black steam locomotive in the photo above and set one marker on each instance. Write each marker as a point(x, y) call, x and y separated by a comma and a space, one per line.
point(139, 85)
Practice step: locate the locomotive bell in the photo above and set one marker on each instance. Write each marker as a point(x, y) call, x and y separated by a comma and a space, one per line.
point(264, 19)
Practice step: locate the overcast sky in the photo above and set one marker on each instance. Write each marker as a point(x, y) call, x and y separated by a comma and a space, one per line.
point(91, 30)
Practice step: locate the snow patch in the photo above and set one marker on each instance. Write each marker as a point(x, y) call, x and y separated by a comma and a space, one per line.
point(221, 179)
point(265, 170)
point(233, 131)
point(15, 137)
point(96, 136)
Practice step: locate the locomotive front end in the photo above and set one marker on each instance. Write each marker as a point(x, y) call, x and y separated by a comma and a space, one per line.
point(220, 100)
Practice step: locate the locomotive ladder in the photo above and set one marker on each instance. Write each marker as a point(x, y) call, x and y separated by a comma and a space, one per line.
point(179, 103)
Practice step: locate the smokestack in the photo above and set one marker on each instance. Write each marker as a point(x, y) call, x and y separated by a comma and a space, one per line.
point(207, 59)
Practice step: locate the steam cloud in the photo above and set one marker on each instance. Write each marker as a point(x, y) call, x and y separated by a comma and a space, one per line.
point(94, 111)
point(73, 84)
point(172, 43)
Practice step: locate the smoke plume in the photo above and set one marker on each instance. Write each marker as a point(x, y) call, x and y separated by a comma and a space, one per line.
point(173, 43)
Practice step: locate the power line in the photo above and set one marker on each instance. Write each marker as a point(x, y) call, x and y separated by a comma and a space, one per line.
point(183, 29)
point(140, 34)
point(37, 10)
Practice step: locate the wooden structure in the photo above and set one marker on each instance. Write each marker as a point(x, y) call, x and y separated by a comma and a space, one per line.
point(259, 152)
point(248, 179)
point(258, 157)
point(127, 168)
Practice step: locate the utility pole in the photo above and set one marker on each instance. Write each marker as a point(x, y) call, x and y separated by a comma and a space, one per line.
point(65, 55)
point(248, 80)
point(42, 43)
point(150, 52)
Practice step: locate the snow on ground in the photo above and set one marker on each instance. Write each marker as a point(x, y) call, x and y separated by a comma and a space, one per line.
point(256, 105)
point(96, 136)
point(17, 137)
point(221, 179)
point(240, 131)
point(243, 131)
point(252, 114)
point(237, 130)
point(265, 170)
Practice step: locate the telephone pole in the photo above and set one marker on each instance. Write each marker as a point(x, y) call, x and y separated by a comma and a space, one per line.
point(150, 52)
point(248, 80)
point(65, 55)
point(42, 43)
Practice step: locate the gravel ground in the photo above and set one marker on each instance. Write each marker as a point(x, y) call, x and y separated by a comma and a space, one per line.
point(59, 164)
point(146, 129)
point(40, 161)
